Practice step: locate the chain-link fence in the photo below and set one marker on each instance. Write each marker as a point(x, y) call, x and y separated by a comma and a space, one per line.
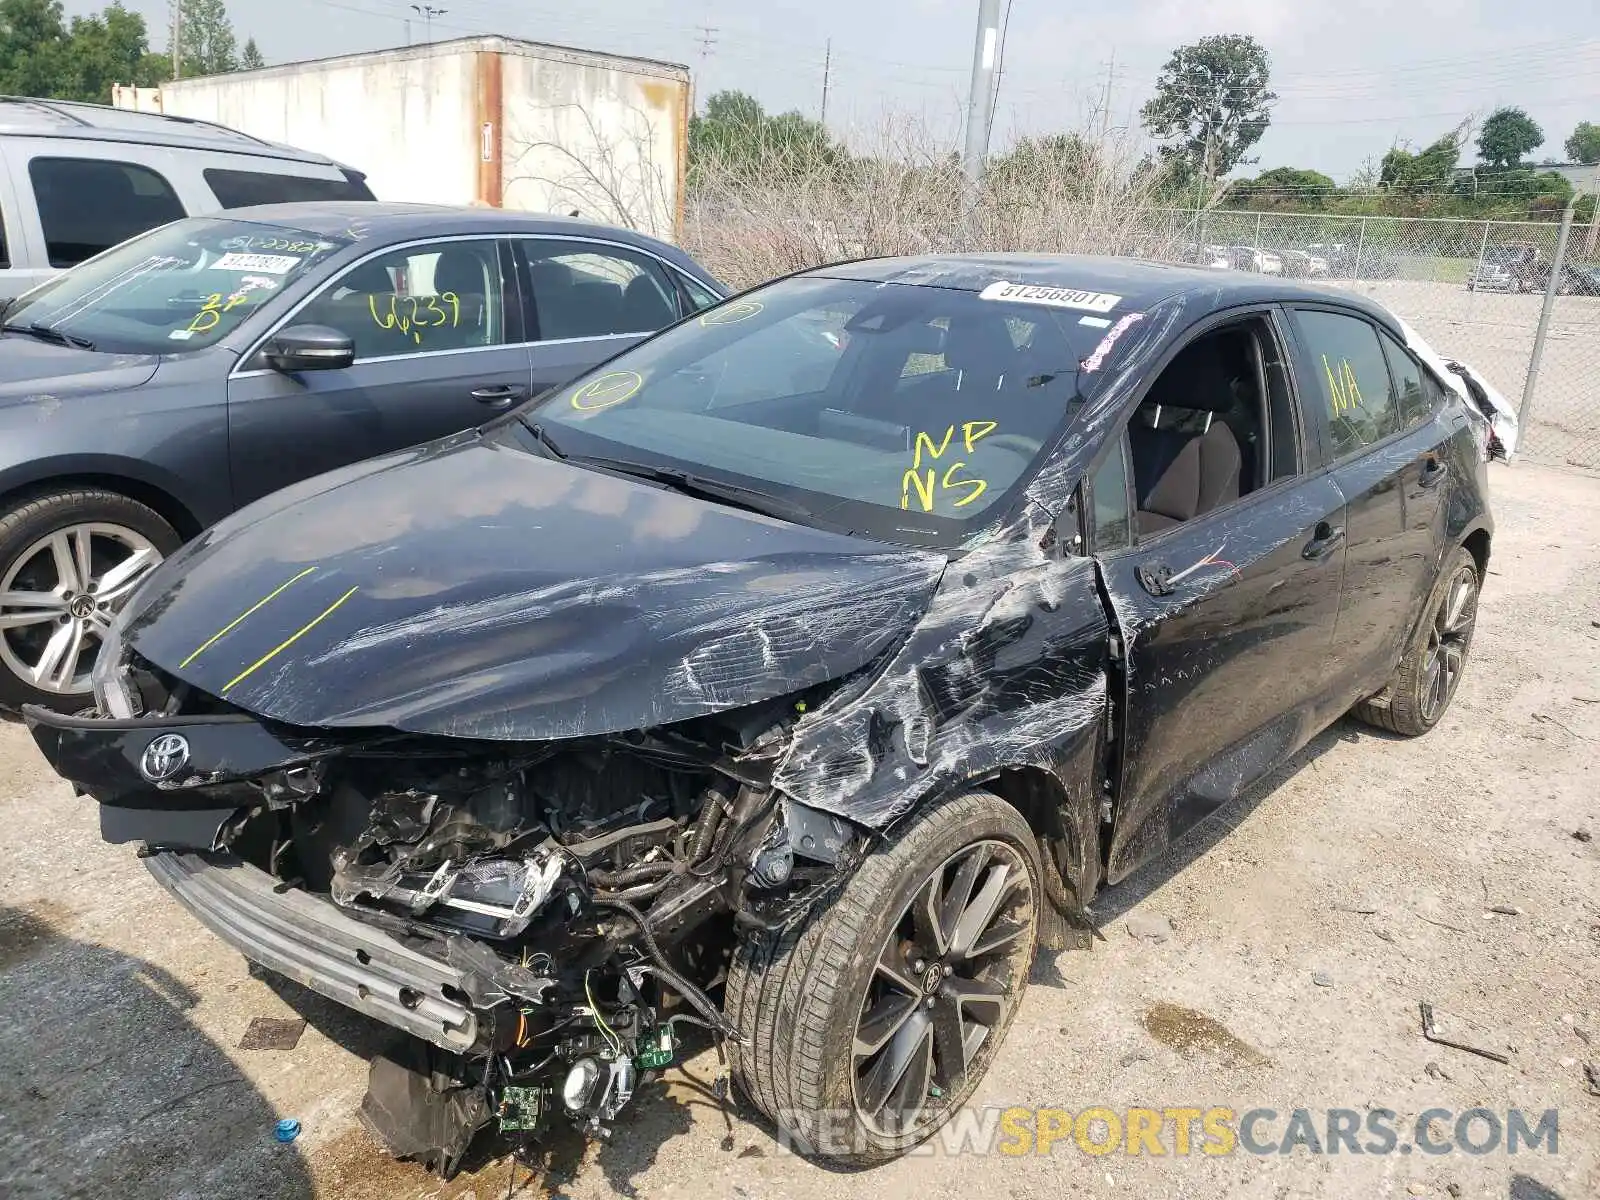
point(1476, 289)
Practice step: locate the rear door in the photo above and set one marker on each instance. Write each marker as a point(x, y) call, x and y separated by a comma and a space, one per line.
point(440, 347)
point(1225, 617)
point(590, 299)
point(1386, 455)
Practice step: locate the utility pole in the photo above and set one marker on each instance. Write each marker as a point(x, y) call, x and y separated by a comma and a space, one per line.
point(827, 67)
point(1105, 104)
point(177, 39)
point(979, 97)
point(708, 40)
point(429, 12)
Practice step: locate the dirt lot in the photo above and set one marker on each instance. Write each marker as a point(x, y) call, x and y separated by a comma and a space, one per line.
point(1309, 923)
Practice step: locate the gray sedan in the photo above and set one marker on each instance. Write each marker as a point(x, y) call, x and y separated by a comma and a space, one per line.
point(156, 388)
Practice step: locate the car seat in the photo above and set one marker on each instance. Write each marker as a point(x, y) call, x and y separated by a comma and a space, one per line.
point(1183, 473)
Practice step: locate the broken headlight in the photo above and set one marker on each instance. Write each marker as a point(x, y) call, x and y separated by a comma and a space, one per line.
point(114, 692)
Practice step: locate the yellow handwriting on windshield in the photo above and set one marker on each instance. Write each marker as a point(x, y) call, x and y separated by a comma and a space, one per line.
point(210, 314)
point(412, 314)
point(926, 484)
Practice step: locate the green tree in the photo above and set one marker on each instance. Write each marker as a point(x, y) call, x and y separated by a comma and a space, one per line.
point(41, 56)
point(1429, 170)
point(1211, 103)
point(250, 59)
point(1507, 135)
point(206, 42)
point(736, 133)
point(1584, 144)
point(1283, 187)
point(34, 53)
point(113, 47)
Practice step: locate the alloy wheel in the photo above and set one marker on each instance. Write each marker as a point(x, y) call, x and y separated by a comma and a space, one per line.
point(950, 967)
point(1447, 643)
point(58, 598)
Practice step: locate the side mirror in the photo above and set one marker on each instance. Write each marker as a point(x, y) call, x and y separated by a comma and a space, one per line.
point(309, 348)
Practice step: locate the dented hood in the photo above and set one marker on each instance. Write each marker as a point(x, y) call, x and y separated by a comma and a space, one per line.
point(470, 588)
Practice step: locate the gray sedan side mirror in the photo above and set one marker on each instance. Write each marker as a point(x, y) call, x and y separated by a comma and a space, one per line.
point(310, 348)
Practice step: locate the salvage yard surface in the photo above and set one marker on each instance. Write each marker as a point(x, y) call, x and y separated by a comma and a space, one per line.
point(1276, 959)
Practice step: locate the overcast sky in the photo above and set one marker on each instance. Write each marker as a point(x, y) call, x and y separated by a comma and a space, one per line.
point(1354, 76)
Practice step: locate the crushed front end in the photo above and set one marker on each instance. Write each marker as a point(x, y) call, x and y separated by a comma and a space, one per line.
point(548, 919)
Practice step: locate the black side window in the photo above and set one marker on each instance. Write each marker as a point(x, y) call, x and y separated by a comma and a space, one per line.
point(1109, 489)
point(87, 205)
point(240, 189)
point(700, 296)
point(591, 289)
point(1417, 396)
point(1351, 377)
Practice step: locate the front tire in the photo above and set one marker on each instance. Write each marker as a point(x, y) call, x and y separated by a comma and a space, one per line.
point(875, 1020)
point(69, 561)
point(1426, 680)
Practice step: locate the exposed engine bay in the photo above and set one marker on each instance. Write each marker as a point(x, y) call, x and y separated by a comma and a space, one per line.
point(588, 891)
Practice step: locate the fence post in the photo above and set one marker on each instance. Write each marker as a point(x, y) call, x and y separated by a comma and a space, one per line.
point(1361, 244)
point(1544, 319)
point(1257, 242)
point(1483, 248)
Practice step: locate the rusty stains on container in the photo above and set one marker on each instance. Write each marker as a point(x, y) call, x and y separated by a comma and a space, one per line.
point(490, 113)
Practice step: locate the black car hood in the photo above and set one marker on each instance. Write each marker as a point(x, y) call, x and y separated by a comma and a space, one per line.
point(469, 588)
point(35, 371)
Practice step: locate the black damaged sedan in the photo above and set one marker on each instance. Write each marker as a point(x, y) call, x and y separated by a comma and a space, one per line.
point(793, 675)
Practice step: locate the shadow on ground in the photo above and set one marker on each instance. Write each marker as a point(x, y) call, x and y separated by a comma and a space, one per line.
point(110, 1090)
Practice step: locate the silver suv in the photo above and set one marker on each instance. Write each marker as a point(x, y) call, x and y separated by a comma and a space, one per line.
point(76, 179)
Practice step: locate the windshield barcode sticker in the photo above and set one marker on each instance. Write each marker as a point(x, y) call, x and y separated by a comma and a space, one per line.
point(1056, 297)
point(272, 264)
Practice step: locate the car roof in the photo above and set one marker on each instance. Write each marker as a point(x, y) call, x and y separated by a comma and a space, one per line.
point(27, 116)
point(1139, 284)
point(398, 221)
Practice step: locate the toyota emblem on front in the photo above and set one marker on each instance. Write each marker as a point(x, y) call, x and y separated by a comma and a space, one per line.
point(164, 757)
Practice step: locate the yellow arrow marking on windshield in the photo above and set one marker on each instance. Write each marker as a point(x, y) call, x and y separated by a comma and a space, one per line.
point(234, 624)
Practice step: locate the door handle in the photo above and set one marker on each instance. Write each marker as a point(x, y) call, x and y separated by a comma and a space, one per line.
point(1155, 578)
point(499, 395)
point(1325, 539)
point(1433, 470)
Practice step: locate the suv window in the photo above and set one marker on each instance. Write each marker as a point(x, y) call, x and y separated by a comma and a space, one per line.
point(240, 189)
point(1350, 375)
point(448, 296)
point(87, 205)
point(585, 289)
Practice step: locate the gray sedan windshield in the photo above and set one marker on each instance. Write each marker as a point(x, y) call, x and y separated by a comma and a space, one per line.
point(181, 287)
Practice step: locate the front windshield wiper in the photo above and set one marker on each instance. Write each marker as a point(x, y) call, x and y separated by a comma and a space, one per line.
point(48, 333)
point(699, 486)
point(542, 436)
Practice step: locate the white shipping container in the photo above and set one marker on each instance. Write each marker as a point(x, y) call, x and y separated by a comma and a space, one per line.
point(483, 120)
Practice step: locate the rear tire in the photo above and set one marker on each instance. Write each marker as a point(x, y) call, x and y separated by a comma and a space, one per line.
point(69, 561)
point(1426, 680)
point(814, 1002)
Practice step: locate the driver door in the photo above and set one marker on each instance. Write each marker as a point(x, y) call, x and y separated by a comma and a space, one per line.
point(440, 347)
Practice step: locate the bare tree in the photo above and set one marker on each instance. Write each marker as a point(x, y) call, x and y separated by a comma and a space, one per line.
point(611, 173)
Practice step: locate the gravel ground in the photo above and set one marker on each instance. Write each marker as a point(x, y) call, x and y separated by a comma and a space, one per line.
point(1298, 935)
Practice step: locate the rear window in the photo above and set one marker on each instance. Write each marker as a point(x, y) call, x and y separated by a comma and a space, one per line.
point(240, 189)
point(87, 205)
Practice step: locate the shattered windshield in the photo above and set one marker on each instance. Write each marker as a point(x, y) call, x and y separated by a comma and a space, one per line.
point(182, 287)
point(906, 412)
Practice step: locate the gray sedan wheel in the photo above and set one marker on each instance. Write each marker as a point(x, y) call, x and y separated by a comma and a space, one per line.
point(69, 561)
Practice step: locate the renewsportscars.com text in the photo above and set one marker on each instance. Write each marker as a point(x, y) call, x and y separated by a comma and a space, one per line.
point(1179, 1131)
